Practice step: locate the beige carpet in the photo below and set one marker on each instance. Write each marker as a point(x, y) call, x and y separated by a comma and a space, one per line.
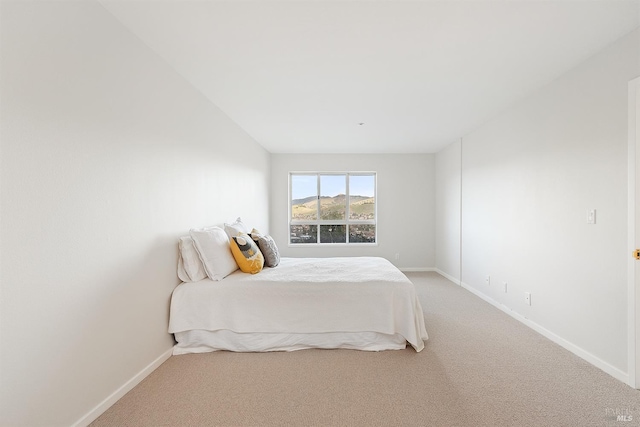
point(479, 368)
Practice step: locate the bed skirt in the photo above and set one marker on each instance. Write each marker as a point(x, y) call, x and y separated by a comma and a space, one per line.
point(200, 341)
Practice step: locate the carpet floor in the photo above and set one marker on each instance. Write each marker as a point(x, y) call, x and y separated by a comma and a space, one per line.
point(480, 367)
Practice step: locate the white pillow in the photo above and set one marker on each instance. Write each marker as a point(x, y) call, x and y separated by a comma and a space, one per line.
point(236, 228)
point(213, 248)
point(190, 268)
point(181, 273)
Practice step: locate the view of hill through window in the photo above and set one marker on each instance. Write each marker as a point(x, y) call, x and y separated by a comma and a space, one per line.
point(317, 200)
point(360, 207)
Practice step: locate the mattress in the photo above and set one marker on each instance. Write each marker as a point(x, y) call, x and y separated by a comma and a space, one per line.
point(356, 302)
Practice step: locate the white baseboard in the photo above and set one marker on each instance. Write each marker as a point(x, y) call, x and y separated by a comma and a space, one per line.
point(578, 351)
point(416, 269)
point(447, 276)
point(116, 395)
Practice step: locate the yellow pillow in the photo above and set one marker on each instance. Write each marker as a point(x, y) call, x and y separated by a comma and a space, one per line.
point(247, 254)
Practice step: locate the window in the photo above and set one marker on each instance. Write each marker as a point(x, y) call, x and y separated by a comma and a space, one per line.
point(332, 208)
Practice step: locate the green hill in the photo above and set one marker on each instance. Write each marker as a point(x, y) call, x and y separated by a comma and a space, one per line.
point(361, 207)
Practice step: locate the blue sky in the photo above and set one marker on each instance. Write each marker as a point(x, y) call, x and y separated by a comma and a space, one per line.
point(331, 185)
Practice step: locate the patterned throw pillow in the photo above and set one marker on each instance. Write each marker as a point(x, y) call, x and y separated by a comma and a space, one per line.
point(247, 254)
point(268, 247)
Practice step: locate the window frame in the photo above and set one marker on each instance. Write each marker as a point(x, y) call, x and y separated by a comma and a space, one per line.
point(346, 221)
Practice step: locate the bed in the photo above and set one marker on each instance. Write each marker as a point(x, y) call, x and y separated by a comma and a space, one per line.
point(362, 303)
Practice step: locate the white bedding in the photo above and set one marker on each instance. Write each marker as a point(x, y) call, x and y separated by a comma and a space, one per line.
point(302, 303)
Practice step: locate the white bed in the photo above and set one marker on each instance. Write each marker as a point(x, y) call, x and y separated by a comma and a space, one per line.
point(362, 303)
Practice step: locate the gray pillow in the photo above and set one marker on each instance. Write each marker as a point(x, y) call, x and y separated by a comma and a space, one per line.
point(268, 247)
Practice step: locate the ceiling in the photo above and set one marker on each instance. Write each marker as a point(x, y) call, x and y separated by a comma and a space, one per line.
point(371, 76)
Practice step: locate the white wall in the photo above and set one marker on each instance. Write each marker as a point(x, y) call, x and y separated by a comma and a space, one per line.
point(528, 179)
point(448, 211)
point(107, 156)
point(406, 213)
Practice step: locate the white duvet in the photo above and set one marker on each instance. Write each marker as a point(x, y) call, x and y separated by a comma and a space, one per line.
point(304, 296)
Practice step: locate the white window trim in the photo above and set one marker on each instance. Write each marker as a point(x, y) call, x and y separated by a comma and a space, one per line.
point(346, 221)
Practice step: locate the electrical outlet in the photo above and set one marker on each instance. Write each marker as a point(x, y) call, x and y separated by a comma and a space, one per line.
point(487, 280)
point(505, 287)
point(527, 297)
point(397, 255)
